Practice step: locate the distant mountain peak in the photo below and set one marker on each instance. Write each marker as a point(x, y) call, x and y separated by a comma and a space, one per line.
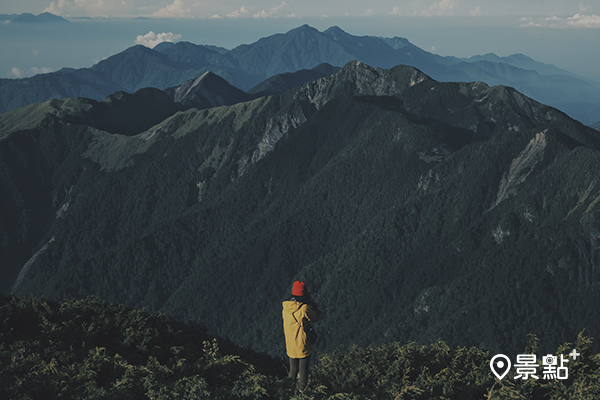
point(300, 30)
point(304, 27)
point(358, 79)
point(45, 17)
point(380, 81)
point(183, 91)
point(206, 91)
point(333, 30)
point(162, 46)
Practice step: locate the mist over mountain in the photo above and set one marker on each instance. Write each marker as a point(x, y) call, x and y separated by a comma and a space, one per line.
point(429, 210)
point(516, 60)
point(245, 66)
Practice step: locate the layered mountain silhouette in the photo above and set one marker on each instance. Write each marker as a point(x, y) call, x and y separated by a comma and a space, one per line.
point(172, 64)
point(413, 209)
point(129, 114)
point(28, 18)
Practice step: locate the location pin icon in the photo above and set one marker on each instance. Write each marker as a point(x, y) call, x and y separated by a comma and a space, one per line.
point(500, 365)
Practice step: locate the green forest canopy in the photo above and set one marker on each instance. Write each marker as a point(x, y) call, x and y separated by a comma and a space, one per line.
point(90, 349)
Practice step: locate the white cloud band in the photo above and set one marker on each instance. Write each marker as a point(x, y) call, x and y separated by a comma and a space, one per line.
point(577, 21)
point(151, 39)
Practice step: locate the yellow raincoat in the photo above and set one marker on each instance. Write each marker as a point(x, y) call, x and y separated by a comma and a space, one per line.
point(296, 315)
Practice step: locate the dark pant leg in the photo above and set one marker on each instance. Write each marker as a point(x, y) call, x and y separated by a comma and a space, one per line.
point(303, 370)
point(293, 367)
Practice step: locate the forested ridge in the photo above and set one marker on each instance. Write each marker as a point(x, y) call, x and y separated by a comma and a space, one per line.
point(415, 209)
point(90, 349)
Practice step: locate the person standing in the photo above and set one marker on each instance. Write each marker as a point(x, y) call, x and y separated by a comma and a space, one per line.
point(298, 314)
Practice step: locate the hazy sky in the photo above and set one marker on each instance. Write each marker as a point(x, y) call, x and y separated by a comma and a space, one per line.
point(565, 33)
point(563, 13)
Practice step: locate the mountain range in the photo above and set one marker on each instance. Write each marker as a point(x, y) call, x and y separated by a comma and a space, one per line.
point(28, 18)
point(413, 209)
point(172, 64)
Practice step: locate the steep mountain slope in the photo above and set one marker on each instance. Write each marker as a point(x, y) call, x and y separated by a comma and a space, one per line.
point(128, 114)
point(305, 47)
point(281, 83)
point(413, 209)
point(209, 90)
point(389, 52)
point(139, 66)
point(62, 84)
point(301, 48)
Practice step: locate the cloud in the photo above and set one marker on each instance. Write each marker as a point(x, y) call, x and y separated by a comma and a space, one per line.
point(60, 7)
point(151, 39)
point(578, 21)
point(273, 13)
point(442, 8)
point(369, 12)
point(19, 73)
point(280, 7)
point(476, 12)
point(583, 8)
point(584, 21)
point(237, 13)
point(178, 9)
point(396, 11)
point(91, 8)
point(263, 14)
point(531, 24)
point(38, 70)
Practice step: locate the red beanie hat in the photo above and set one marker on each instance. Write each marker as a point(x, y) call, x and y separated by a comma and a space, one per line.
point(299, 289)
